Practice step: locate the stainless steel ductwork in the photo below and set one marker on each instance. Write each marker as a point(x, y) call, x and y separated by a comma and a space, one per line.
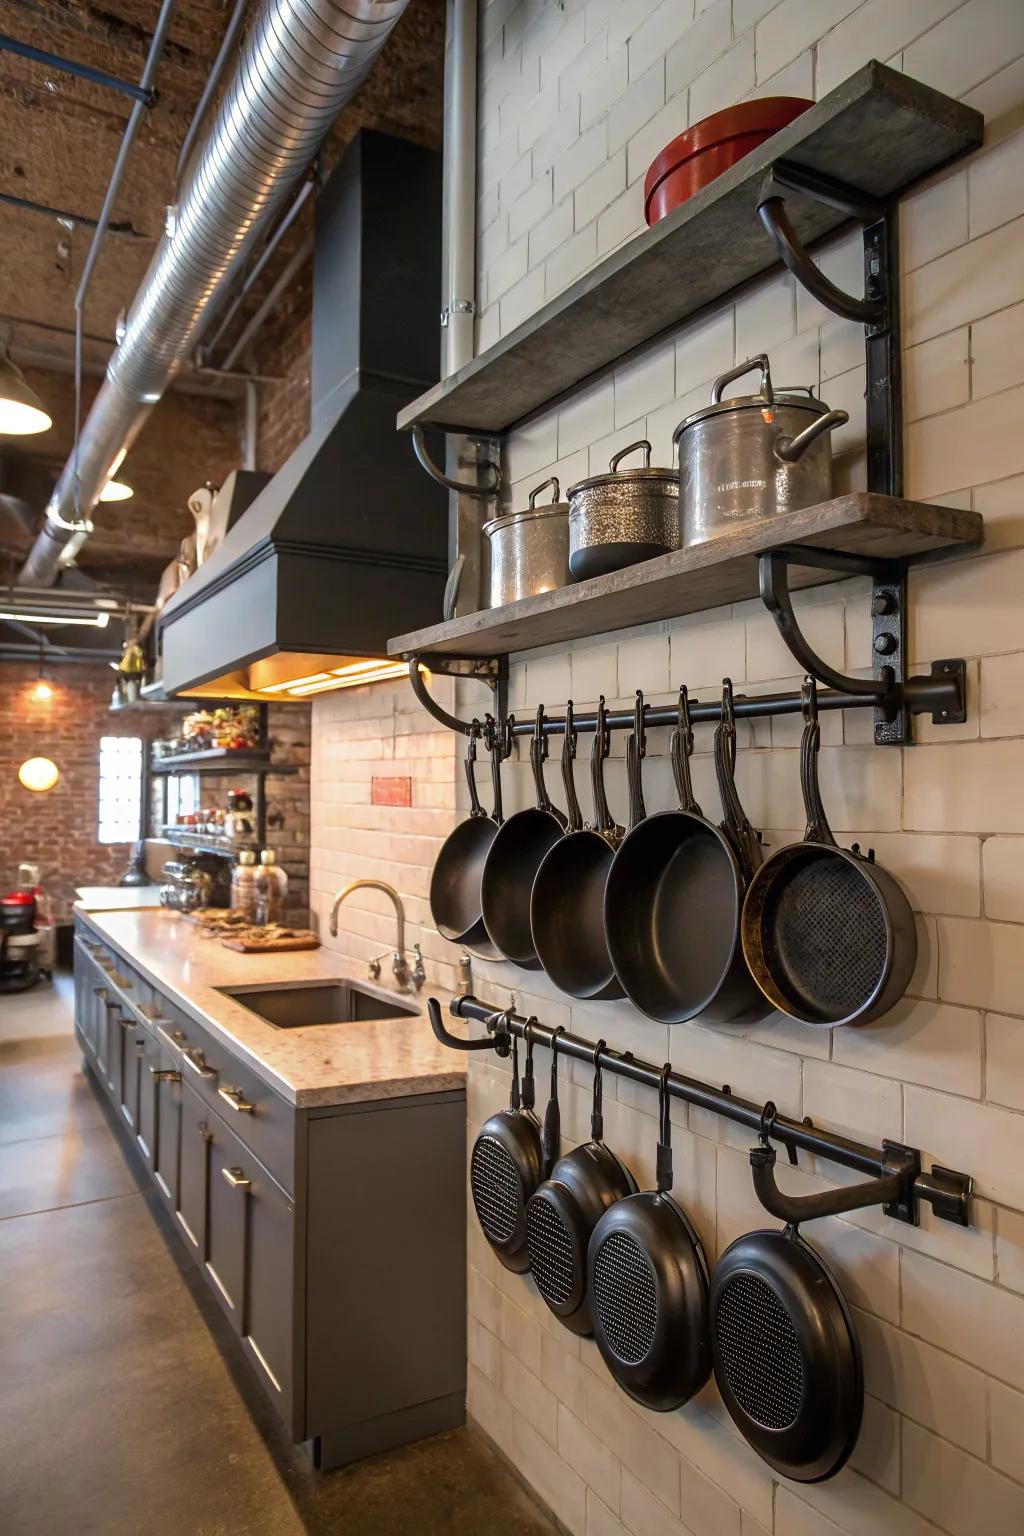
point(303, 60)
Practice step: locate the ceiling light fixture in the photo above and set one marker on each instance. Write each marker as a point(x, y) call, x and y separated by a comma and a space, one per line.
point(117, 490)
point(38, 774)
point(98, 620)
point(21, 410)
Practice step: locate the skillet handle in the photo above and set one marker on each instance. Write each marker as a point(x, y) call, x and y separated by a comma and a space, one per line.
point(475, 808)
point(538, 755)
point(831, 1202)
point(818, 829)
point(572, 804)
point(492, 741)
point(604, 821)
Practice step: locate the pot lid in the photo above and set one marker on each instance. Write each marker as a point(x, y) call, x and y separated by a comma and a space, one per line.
point(616, 476)
point(800, 402)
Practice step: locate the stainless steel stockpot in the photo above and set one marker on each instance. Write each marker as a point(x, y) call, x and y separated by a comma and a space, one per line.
point(529, 551)
point(622, 517)
point(755, 457)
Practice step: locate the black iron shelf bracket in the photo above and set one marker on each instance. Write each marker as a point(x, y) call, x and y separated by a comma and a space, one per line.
point(894, 1176)
point(490, 670)
point(485, 492)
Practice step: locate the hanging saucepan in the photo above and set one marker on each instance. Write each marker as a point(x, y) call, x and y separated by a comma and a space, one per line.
point(829, 936)
point(455, 903)
point(648, 1282)
point(754, 457)
point(622, 517)
point(513, 860)
point(675, 892)
point(785, 1351)
point(567, 904)
point(564, 1211)
point(510, 1157)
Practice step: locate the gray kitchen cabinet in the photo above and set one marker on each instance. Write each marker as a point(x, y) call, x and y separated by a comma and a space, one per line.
point(333, 1238)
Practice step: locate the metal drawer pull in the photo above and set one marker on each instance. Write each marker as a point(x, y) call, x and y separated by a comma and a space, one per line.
point(236, 1178)
point(233, 1096)
point(196, 1061)
point(164, 1075)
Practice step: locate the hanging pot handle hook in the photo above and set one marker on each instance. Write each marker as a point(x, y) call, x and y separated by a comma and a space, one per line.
point(664, 1161)
point(529, 1087)
point(793, 1209)
point(551, 1132)
point(497, 1039)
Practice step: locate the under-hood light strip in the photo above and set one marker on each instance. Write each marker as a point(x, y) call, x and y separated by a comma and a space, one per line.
point(346, 678)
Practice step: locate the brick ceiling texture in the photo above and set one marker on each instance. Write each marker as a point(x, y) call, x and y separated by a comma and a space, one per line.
point(59, 137)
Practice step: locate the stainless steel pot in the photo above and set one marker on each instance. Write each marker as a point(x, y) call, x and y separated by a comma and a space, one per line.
point(758, 456)
point(529, 551)
point(622, 517)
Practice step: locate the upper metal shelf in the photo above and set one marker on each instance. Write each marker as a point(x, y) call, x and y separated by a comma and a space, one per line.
point(878, 132)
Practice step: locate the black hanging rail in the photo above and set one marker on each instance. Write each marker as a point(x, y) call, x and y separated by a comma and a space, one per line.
point(901, 1182)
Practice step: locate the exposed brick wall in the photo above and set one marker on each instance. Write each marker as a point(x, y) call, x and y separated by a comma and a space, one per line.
point(58, 830)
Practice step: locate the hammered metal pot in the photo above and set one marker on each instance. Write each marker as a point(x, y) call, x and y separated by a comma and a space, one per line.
point(528, 552)
point(752, 458)
point(622, 517)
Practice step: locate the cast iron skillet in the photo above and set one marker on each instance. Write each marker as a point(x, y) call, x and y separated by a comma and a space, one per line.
point(675, 891)
point(455, 882)
point(828, 936)
point(567, 904)
point(510, 1157)
point(785, 1351)
point(512, 862)
point(563, 1212)
point(648, 1281)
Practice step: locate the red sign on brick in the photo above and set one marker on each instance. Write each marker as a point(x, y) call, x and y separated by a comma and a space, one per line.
point(391, 790)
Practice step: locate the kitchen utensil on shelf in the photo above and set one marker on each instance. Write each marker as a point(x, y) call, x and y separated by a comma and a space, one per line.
point(513, 860)
point(648, 1280)
point(829, 936)
point(564, 1210)
point(710, 147)
point(567, 901)
point(784, 1348)
point(455, 904)
point(506, 1165)
point(528, 552)
point(755, 457)
point(675, 890)
point(622, 517)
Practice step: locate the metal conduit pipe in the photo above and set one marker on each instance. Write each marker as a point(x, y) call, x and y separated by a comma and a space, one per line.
point(300, 64)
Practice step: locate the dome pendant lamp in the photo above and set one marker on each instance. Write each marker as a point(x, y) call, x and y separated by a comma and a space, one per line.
point(21, 410)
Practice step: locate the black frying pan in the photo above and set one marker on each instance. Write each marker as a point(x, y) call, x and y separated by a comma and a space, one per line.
point(564, 1211)
point(648, 1282)
point(785, 1351)
point(829, 936)
point(512, 862)
point(567, 903)
point(455, 904)
point(675, 891)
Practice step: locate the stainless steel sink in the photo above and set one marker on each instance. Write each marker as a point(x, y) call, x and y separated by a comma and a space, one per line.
point(318, 1002)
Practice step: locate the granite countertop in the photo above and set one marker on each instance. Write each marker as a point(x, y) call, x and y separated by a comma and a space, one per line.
point(310, 1066)
point(116, 898)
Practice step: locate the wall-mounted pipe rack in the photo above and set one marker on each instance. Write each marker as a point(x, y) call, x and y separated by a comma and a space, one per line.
point(901, 1182)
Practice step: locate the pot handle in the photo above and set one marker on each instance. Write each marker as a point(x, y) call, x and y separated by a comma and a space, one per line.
point(493, 743)
point(555, 487)
point(616, 458)
point(475, 808)
point(760, 361)
point(735, 823)
point(792, 449)
point(818, 829)
point(451, 588)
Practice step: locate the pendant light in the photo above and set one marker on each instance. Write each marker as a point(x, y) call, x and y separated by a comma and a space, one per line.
point(21, 410)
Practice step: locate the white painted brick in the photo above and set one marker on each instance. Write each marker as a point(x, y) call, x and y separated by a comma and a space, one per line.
point(563, 1372)
point(974, 280)
point(698, 47)
point(506, 269)
point(792, 26)
point(1010, 1250)
point(589, 414)
point(644, 383)
point(950, 1487)
point(874, 31)
point(936, 1045)
point(933, 221)
point(492, 1411)
point(529, 1396)
point(746, 13)
point(532, 447)
point(997, 352)
point(937, 374)
point(977, 791)
point(602, 87)
point(979, 441)
point(629, 111)
point(599, 189)
point(1004, 1060)
point(939, 874)
point(648, 1457)
point(655, 36)
point(996, 185)
point(1003, 867)
point(969, 605)
point(703, 653)
point(764, 316)
point(877, 1452)
point(530, 207)
point(599, 13)
point(1007, 1412)
point(648, 142)
point(579, 161)
point(969, 45)
point(624, 20)
point(551, 232)
point(981, 963)
point(716, 1451)
point(726, 81)
point(795, 1518)
point(594, 671)
point(1001, 504)
point(858, 1104)
point(563, 1491)
point(542, 115)
point(582, 68)
point(794, 79)
point(841, 349)
point(521, 300)
point(999, 97)
point(600, 1520)
point(569, 260)
point(643, 1515)
point(986, 1140)
point(547, 682)
point(556, 139)
point(925, 1383)
point(1002, 695)
point(488, 328)
point(588, 1456)
point(604, 449)
point(704, 349)
point(859, 1508)
point(767, 655)
point(644, 663)
point(622, 220)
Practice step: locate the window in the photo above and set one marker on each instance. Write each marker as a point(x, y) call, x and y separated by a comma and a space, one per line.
point(120, 789)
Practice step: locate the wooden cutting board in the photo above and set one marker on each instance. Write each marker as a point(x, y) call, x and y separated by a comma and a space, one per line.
point(256, 943)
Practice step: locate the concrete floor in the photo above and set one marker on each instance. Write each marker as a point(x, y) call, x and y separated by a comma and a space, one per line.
point(126, 1407)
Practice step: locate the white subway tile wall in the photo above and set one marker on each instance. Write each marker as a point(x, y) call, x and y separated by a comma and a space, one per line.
point(576, 98)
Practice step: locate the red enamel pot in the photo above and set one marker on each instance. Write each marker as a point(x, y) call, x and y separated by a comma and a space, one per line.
point(710, 147)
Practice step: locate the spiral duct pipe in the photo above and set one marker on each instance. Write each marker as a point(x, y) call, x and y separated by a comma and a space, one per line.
point(302, 61)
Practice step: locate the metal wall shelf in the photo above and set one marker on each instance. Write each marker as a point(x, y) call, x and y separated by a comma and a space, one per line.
point(878, 132)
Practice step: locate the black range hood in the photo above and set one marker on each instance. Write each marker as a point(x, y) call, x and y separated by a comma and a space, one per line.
point(347, 544)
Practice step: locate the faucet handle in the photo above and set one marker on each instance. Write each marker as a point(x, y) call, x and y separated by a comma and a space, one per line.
point(400, 968)
point(419, 972)
point(374, 969)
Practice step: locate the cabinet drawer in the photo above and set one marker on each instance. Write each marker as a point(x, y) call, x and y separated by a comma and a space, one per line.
point(262, 1120)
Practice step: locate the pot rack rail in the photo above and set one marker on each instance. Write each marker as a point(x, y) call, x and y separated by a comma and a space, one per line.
point(895, 1178)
